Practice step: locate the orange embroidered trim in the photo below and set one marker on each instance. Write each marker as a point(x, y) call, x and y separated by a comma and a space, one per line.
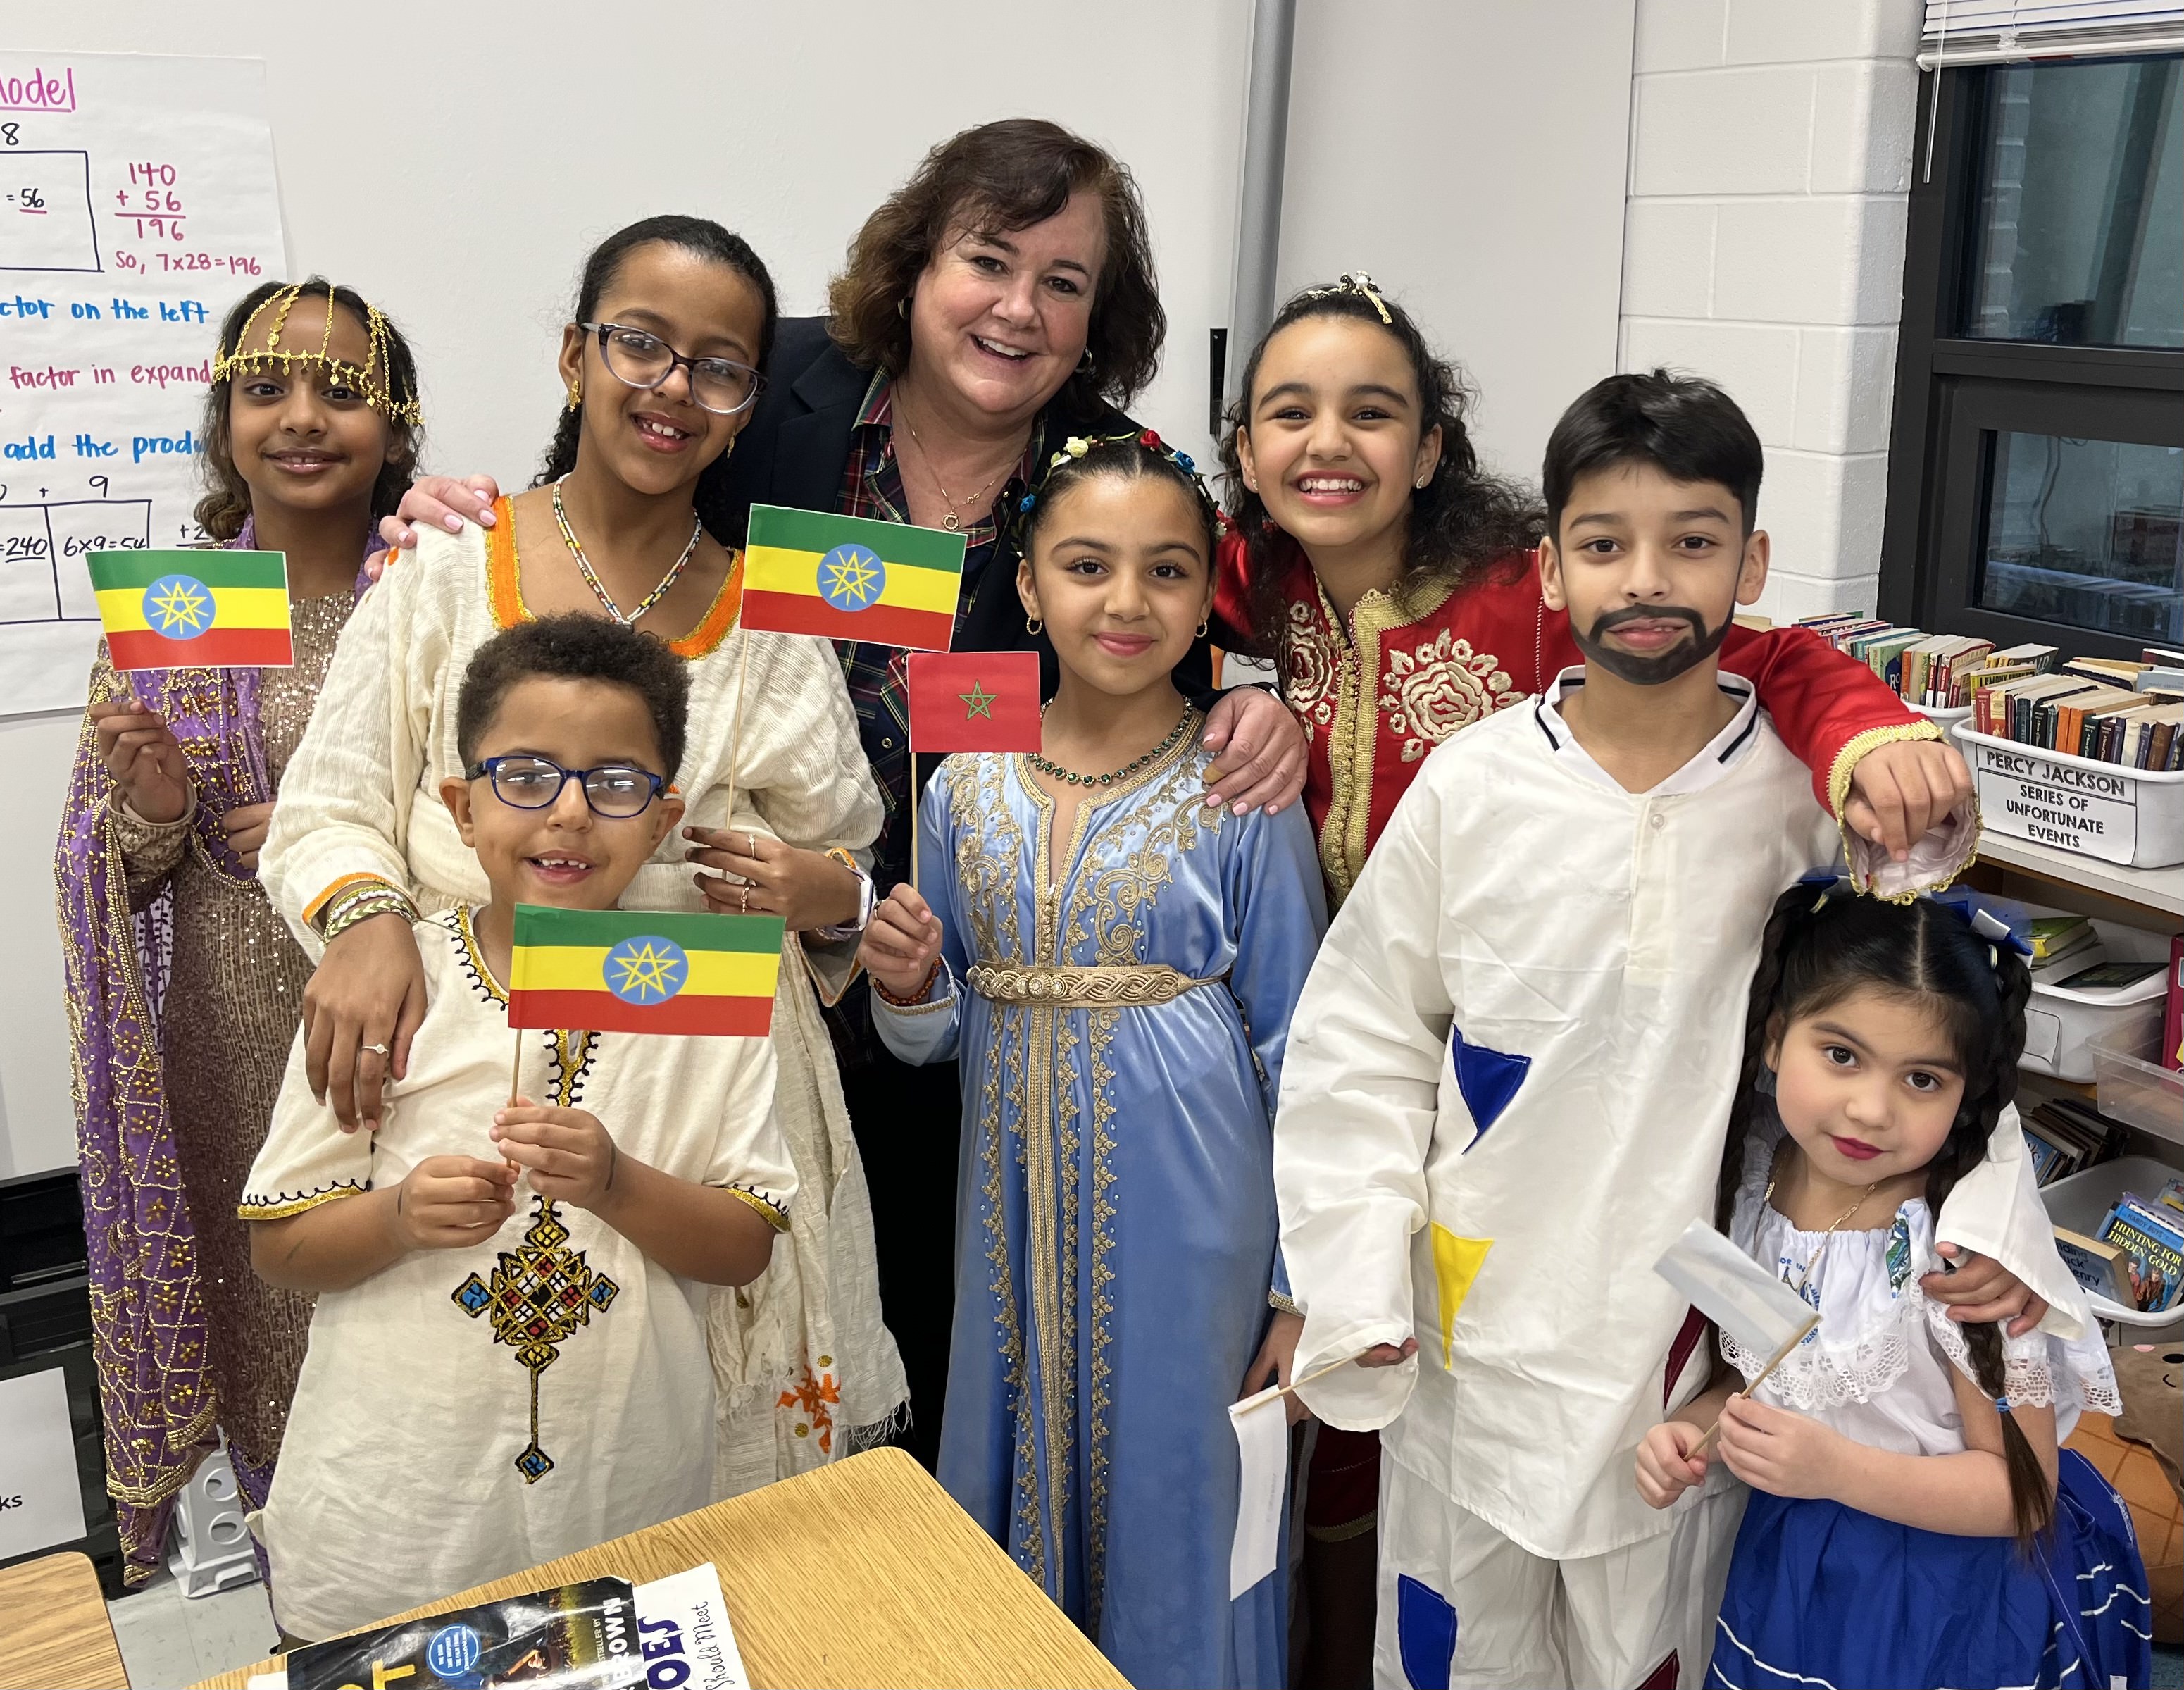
point(503, 587)
point(727, 605)
point(311, 910)
point(504, 590)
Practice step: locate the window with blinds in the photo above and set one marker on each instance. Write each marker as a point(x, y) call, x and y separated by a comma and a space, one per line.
point(2036, 486)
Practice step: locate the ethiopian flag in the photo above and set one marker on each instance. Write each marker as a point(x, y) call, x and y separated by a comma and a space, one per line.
point(643, 971)
point(848, 577)
point(973, 701)
point(187, 610)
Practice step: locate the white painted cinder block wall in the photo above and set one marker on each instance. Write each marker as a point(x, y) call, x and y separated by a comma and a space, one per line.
point(1770, 159)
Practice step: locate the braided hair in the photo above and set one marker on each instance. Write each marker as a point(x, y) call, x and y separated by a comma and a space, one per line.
point(1819, 947)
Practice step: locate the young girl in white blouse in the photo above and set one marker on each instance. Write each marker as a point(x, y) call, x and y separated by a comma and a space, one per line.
point(1912, 1519)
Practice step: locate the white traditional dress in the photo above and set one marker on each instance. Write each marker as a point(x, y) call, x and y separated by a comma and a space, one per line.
point(467, 1413)
point(1504, 1095)
point(801, 1356)
point(1822, 1594)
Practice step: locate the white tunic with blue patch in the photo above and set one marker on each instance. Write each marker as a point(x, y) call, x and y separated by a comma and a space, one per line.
point(1505, 1095)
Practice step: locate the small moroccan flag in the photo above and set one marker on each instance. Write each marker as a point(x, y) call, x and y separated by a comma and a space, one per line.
point(643, 971)
point(187, 610)
point(848, 577)
point(974, 701)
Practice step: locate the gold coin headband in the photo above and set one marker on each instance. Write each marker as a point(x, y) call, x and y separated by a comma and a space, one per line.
point(1356, 283)
point(373, 380)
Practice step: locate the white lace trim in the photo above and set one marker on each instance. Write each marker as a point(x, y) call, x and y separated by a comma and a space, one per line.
point(1819, 1374)
point(2028, 1376)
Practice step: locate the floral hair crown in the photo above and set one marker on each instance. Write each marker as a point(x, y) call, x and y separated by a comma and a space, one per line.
point(1077, 446)
point(1356, 283)
point(373, 380)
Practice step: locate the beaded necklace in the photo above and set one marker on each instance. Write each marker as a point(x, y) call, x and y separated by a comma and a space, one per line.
point(599, 587)
point(1055, 771)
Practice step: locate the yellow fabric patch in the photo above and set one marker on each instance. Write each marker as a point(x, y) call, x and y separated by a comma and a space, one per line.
point(1456, 1262)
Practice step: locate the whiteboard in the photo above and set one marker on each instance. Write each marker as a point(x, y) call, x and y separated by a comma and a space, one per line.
point(137, 202)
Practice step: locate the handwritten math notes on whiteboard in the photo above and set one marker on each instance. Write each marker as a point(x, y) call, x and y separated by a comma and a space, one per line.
point(137, 203)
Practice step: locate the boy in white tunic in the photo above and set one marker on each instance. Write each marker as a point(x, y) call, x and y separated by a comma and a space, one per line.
point(1509, 1079)
point(508, 1359)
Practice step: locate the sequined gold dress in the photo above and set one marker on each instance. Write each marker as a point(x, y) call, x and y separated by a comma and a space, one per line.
point(234, 990)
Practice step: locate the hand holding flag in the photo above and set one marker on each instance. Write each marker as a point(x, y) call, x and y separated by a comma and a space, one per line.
point(1739, 1296)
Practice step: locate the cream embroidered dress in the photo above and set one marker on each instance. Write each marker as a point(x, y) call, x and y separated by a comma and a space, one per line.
point(467, 1413)
point(805, 1368)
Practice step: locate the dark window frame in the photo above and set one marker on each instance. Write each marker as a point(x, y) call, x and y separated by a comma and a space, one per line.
point(1939, 453)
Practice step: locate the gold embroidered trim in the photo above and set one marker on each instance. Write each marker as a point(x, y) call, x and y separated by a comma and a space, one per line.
point(1073, 987)
point(1286, 1305)
point(1855, 747)
point(281, 1206)
point(775, 1216)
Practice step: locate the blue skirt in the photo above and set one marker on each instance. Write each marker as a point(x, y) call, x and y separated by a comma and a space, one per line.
point(1822, 1596)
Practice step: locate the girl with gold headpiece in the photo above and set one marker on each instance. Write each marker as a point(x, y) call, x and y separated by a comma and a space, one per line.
point(183, 983)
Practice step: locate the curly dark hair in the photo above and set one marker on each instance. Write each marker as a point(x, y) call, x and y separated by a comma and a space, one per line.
point(716, 509)
point(993, 180)
point(1816, 952)
point(1465, 524)
point(225, 506)
point(572, 646)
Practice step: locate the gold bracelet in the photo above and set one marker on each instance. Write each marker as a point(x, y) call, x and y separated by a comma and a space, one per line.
point(924, 991)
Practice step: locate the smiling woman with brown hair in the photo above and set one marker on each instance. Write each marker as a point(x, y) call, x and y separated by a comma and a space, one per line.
point(1002, 301)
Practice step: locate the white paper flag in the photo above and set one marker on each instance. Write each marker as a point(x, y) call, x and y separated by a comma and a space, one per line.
point(1734, 1291)
point(1263, 1443)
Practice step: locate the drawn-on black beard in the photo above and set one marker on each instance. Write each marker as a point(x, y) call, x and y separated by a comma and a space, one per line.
point(1650, 671)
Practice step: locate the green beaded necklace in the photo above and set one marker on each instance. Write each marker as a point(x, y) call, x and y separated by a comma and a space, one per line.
point(1055, 771)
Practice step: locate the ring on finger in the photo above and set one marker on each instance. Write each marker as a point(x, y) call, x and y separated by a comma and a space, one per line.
point(746, 902)
point(376, 1050)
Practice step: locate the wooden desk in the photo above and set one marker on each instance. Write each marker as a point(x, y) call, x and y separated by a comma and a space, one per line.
point(862, 1573)
point(54, 1634)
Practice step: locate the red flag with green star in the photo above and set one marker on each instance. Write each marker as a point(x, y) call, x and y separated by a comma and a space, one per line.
point(974, 700)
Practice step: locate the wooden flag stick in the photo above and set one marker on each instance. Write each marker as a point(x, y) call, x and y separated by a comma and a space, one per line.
point(1774, 1361)
point(516, 1071)
point(736, 728)
point(1318, 1372)
point(914, 828)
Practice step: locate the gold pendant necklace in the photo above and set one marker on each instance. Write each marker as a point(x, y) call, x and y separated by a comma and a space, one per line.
point(1805, 1277)
point(950, 521)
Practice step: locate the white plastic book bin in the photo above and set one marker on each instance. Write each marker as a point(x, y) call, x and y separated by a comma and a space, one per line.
point(2104, 810)
point(212, 1544)
point(2083, 1202)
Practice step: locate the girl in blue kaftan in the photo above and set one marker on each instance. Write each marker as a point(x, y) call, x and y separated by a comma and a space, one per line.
point(1116, 989)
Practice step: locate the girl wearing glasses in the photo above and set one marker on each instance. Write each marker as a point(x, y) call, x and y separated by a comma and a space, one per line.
point(182, 982)
point(674, 317)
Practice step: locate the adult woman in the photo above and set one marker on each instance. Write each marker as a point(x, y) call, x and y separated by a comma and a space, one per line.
point(1002, 301)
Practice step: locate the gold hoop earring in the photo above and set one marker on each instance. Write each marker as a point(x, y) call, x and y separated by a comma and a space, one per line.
point(902, 310)
point(1201, 628)
point(1034, 625)
point(1084, 364)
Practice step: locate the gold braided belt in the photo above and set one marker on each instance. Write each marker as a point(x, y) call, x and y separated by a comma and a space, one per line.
point(1084, 988)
